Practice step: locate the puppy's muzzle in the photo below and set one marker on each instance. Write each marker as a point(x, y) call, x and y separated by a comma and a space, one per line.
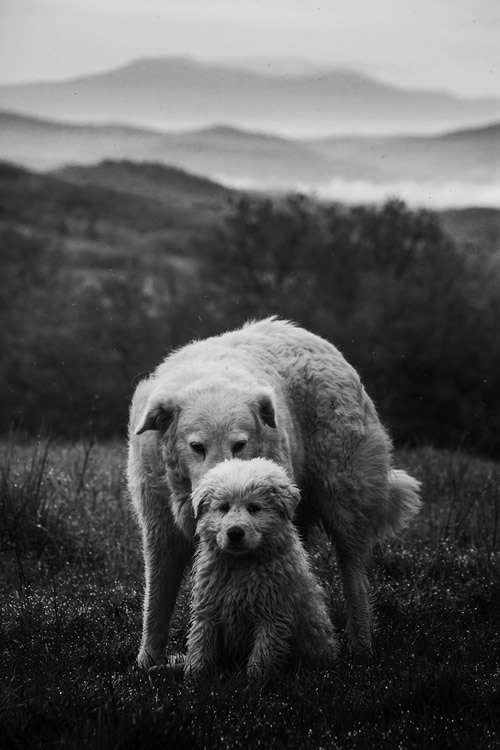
point(235, 535)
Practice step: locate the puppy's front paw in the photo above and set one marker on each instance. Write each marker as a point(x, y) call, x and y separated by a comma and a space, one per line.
point(259, 672)
point(193, 671)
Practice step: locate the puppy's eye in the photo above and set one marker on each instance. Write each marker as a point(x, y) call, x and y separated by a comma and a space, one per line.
point(238, 447)
point(224, 507)
point(253, 509)
point(197, 448)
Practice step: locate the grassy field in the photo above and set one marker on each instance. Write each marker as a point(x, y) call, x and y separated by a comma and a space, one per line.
point(71, 588)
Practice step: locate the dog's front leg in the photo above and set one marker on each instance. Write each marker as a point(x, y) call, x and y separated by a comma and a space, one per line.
point(201, 649)
point(270, 650)
point(166, 552)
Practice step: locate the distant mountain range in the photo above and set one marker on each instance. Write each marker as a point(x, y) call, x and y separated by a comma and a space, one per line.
point(247, 159)
point(471, 155)
point(179, 93)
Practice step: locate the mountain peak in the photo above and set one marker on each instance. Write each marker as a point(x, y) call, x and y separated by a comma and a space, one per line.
point(181, 93)
point(162, 61)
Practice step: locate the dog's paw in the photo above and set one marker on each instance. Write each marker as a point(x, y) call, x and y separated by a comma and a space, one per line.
point(173, 666)
point(191, 673)
point(259, 673)
point(195, 672)
point(176, 661)
point(360, 653)
point(147, 659)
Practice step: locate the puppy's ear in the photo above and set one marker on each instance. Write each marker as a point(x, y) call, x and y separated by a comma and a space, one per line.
point(265, 408)
point(286, 498)
point(158, 415)
point(200, 500)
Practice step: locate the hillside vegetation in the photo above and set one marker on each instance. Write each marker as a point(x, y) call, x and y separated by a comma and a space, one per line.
point(104, 270)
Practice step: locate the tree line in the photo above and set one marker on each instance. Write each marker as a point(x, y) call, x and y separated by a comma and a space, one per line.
point(416, 315)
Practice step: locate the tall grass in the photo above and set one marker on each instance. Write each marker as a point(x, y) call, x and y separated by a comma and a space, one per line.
point(71, 588)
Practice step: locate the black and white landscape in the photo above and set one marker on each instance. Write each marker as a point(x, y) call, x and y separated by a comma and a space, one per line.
point(169, 171)
point(334, 132)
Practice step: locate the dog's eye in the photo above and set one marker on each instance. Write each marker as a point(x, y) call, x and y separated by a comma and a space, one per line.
point(197, 448)
point(238, 447)
point(224, 507)
point(253, 509)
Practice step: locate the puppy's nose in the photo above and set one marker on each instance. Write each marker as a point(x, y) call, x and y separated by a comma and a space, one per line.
point(235, 533)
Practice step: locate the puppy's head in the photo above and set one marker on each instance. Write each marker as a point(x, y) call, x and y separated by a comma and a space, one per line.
point(244, 507)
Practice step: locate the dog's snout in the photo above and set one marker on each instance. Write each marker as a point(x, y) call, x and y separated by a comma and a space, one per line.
point(235, 533)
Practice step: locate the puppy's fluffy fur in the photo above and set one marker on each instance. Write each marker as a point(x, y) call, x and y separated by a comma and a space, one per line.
point(255, 600)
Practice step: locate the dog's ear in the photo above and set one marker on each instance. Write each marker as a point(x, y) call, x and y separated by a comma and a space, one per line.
point(265, 408)
point(158, 415)
point(200, 500)
point(286, 498)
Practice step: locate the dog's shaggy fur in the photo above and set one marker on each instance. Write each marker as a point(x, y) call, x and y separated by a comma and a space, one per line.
point(255, 600)
point(274, 390)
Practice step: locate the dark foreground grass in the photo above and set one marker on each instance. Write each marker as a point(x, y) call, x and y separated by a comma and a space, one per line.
point(71, 588)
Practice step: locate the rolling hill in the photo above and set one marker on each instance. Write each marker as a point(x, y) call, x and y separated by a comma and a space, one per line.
point(149, 180)
point(465, 155)
point(150, 200)
point(181, 93)
point(122, 199)
point(261, 161)
point(217, 152)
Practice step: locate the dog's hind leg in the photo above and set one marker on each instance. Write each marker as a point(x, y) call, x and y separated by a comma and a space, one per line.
point(352, 554)
point(351, 534)
point(352, 497)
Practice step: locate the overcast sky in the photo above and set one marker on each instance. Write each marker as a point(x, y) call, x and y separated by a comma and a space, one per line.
point(447, 44)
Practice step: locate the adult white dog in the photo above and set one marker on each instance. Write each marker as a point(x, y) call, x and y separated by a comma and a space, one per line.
point(274, 390)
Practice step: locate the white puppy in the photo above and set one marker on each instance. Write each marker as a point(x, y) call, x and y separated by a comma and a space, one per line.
point(255, 600)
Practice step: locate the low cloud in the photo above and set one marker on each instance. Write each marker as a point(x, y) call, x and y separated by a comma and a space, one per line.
point(416, 194)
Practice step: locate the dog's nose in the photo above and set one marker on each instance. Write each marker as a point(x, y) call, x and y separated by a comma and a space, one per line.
point(235, 533)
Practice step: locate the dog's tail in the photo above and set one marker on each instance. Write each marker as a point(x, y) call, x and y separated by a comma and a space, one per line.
point(404, 503)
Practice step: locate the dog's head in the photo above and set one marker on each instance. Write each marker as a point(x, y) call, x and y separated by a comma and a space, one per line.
point(207, 422)
point(244, 507)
